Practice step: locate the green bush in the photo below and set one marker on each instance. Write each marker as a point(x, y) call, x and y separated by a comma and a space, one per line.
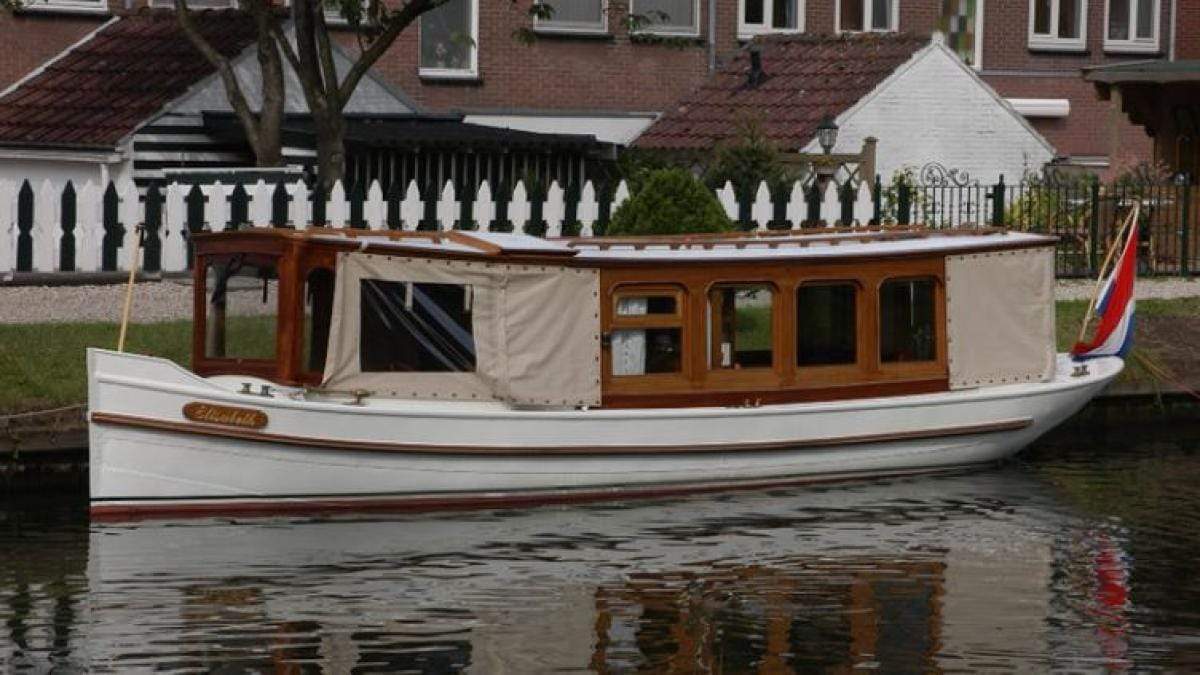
point(671, 201)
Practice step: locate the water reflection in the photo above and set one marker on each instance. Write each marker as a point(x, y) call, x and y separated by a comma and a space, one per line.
point(1056, 564)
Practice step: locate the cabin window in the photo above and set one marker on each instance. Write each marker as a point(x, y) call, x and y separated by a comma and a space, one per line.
point(826, 324)
point(906, 321)
point(415, 327)
point(243, 300)
point(647, 332)
point(318, 311)
point(740, 326)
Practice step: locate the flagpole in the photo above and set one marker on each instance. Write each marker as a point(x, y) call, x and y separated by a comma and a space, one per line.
point(1118, 242)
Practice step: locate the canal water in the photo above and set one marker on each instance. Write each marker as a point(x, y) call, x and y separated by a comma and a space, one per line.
point(1080, 556)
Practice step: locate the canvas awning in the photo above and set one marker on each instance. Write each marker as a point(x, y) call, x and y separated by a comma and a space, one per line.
point(536, 331)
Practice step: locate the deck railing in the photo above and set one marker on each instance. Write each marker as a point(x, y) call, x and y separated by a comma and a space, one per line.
point(68, 228)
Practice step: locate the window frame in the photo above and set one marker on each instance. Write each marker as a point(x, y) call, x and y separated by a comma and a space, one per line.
point(66, 7)
point(777, 318)
point(1051, 41)
point(677, 320)
point(656, 29)
point(861, 300)
point(552, 27)
point(937, 364)
point(747, 31)
point(1134, 44)
point(977, 56)
point(868, 18)
point(471, 73)
point(267, 368)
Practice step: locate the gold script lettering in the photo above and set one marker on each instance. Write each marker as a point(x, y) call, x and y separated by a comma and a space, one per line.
point(225, 415)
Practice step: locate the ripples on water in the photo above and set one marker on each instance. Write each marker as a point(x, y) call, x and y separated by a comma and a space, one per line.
point(1079, 557)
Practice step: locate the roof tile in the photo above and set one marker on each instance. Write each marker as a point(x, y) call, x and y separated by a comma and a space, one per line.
point(101, 90)
point(807, 77)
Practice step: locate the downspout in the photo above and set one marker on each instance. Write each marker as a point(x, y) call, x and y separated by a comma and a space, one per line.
point(712, 36)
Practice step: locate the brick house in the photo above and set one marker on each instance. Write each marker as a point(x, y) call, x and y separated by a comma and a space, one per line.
point(590, 71)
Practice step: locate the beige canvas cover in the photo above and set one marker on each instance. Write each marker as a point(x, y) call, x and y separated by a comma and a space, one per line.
point(1000, 317)
point(536, 330)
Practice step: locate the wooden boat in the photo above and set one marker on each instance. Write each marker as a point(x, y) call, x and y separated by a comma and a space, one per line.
point(353, 369)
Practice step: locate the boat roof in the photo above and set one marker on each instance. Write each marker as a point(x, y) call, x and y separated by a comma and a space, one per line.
point(824, 244)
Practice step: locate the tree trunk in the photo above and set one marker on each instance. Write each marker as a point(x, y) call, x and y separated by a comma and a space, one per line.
point(331, 148)
point(268, 150)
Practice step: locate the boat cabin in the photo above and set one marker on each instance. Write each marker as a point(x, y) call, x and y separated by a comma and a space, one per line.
point(730, 320)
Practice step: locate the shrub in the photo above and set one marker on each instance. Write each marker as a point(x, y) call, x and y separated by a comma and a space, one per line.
point(671, 201)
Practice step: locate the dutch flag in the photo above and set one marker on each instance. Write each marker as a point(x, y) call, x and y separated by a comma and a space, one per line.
point(1114, 309)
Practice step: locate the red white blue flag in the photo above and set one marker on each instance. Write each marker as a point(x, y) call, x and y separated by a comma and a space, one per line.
point(1114, 308)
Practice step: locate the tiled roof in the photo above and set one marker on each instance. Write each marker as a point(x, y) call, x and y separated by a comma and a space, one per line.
point(806, 78)
point(101, 90)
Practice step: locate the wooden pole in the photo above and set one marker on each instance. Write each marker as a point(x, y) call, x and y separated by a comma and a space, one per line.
point(133, 265)
point(1118, 242)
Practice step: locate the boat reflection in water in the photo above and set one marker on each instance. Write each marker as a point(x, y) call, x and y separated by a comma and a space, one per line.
point(906, 575)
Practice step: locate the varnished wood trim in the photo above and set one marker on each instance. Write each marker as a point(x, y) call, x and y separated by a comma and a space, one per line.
point(811, 394)
point(186, 428)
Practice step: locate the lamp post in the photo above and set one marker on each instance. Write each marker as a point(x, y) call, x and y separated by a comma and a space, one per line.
point(827, 133)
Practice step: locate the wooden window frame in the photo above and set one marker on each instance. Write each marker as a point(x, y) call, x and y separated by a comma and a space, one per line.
point(204, 364)
point(912, 370)
point(837, 373)
point(611, 321)
point(757, 376)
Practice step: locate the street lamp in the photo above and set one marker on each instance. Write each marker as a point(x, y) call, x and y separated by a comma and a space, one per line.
point(827, 133)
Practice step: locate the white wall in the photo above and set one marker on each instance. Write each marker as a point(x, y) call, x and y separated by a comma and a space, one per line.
point(58, 172)
point(935, 109)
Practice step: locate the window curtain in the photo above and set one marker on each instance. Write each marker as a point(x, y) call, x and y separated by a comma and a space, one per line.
point(629, 346)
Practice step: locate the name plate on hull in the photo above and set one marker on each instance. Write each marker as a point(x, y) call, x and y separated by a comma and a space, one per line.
point(225, 415)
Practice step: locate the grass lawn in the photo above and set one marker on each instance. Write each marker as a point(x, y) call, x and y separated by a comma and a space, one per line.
point(42, 365)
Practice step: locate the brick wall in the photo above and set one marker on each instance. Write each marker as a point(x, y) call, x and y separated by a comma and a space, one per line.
point(1187, 19)
point(29, 39)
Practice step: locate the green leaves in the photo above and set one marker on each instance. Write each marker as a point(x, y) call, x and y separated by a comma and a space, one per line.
point(670, 201)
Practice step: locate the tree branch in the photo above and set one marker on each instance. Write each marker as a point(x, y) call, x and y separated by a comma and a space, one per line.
point(233, 88)
point(394, 24)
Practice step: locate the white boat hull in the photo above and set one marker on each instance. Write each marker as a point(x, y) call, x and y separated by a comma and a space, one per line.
point(147, 457)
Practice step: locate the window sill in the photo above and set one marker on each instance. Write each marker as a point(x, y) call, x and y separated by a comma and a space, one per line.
point(1131, 47)
point(745, 34)
point(582, 33)
point(91, 9)
point(433, 76)
point(1062, 46)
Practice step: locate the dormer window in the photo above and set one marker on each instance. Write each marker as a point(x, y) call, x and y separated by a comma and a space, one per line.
point(868, 16)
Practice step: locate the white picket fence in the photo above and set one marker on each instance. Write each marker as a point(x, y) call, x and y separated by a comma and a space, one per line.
point(47, 232)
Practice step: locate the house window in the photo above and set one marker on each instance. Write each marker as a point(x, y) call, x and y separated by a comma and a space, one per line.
point(415, 327)
point(574, 16)
point(826, 324)
point(906, 321)
point(647, 332)
point(1132, 26)
point(449, 37)
point(962, 24)
point(1058, 24)
point(740, 326)
point(756, 17)
point(867, 15)
point(668, 17)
